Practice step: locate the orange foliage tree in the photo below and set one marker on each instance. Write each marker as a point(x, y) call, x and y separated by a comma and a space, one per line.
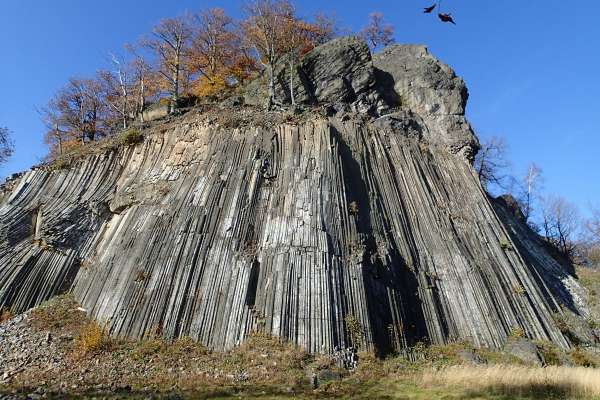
point(216, 55)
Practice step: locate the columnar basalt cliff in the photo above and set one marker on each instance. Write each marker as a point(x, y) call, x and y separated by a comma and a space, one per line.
point(363, 208)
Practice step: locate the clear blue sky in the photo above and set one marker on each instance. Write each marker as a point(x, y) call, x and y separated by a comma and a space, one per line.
point(532, 68)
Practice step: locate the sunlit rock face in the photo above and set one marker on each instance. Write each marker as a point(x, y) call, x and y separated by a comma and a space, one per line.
point(215, 227)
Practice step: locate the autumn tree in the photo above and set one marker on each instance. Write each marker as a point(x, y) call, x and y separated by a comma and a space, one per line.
point(265, 31)
point(212, 44)
point(6, 145)
point(491, 163)
point(217, 55)
point(170, 44)
point(560, 223)
point(77, 111)
point(377, 33)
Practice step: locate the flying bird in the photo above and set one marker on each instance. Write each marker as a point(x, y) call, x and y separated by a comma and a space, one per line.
point(427, 10)
point(446, 18)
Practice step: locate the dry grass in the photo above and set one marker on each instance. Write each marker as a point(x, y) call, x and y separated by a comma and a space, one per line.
point(514, 380)
point(60, 314)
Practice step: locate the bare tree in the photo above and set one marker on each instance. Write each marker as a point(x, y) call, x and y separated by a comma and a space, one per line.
point(531, 184)
point(55, 136)
point(560, 222)
point(78, 110)
point(377, 33)
point(491, 163)
point(6, 145)
point(591, 237)
point(214, 42)
point(144, 82)
point(170, 44)
point(117, 86)
point(264, 30)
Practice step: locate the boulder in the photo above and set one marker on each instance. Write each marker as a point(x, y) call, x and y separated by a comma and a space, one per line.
point(524, 350)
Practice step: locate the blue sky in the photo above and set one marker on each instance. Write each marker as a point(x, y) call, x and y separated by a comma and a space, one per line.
point(531, 68)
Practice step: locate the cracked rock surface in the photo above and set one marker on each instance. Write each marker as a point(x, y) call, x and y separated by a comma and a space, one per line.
point(214, 230)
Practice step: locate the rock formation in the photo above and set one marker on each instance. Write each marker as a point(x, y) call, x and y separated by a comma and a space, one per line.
point(358, 222)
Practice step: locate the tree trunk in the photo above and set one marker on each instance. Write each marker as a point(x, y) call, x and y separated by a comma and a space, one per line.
point(59, 139)
point(176, 70)
point(271, 98)
point(142, 99)
point(292, 97)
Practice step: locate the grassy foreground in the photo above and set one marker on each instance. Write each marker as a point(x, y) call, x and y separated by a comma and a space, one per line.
point(80, 361)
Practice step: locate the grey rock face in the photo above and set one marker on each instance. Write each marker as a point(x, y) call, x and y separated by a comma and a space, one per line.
point(290, 230)
point(524, 350)
point(332, 233)
point(342, 74)
point(432, 90)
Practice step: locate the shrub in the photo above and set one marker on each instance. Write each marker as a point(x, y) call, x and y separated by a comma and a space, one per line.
point(91, 340)
point(549, 352)
point(518, 289)
point(353, 208)
point(60, 163)
point(355, 330)
point(581, 358)
point(504, 244)
point(5, 315)
point(59, 314)
point(131, 137)
point(213, 87)
point(516, 332)
point(561, 323)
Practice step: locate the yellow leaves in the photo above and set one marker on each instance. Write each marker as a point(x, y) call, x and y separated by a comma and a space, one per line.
point(211, 87)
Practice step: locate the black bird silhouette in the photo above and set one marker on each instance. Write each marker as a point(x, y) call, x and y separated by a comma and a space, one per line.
point(446, 18)
point(427, 10)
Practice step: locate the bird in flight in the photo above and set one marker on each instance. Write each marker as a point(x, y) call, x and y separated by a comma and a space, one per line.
point(446, 18)
point(427, 10)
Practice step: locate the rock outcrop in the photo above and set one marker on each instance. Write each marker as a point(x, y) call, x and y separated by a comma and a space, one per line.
point(347, 228)
point(430, 89)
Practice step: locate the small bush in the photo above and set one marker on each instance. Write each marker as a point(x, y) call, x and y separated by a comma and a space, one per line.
point(131, 137)
point(91, 340)
point(581, 358)
point(518, 289)
point(5, 315)
point(549, 352)
point(353, 208)
point(516, 332)
point(355, 330)
point(561, 323)
point(60, 163)
point(504, 244)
